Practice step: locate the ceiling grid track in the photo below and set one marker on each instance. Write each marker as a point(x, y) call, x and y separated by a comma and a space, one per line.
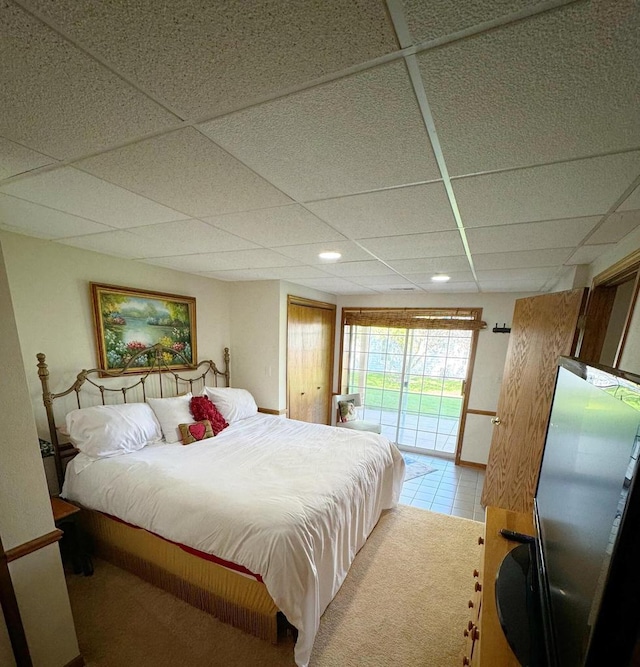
point(402, 31)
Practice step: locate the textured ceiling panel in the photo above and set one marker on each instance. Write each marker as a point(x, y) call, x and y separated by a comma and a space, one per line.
point(437, 18)
point(588, 254)
point(615, 227)
point(47, 223)
point(359, 133)
point(548, 88)
point(382, 282)
point(530, 235)
point(454, 277)
point(546, 192)
point(224, 261)
point(436, 244)
point(308, 253)
point(276, 273)
point(84, 195)
point(430, 265)
point(521, 259)
point(59, 101)
point(421, 208)
point(16, 159)
point(336, 285)
point(279, 226)
point(118, 243)
point(511, 286)
point(186, 171)
point(357, 269)
point(183, 237)
point(449, 287)
point(243, 50)
point(509, 275)
point(632, 202)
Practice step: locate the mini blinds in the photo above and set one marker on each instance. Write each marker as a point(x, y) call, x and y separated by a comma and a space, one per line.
point(415, 318)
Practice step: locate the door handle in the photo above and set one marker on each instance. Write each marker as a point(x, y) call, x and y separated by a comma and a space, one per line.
point(496, 421)
point(302, 393)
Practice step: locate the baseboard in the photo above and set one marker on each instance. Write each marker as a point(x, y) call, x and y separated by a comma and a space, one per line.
point(471, 464)
point(76, 662)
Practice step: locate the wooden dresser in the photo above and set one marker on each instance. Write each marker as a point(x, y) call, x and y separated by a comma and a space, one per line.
point(486, 643)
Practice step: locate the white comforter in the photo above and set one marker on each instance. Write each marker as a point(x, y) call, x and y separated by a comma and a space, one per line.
point(291, 501)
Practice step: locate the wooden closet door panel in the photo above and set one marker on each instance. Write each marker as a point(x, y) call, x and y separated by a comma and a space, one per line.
point(543, 328)
point(310, 333)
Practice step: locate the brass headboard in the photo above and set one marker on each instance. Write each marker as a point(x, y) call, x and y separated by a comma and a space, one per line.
point(158, 377)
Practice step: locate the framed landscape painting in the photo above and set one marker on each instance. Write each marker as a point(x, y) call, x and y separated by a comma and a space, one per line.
point(129, 320)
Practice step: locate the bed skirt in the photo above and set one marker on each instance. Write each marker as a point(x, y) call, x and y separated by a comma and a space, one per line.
point(233, 598)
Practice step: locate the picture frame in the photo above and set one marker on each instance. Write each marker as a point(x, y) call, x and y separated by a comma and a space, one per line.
point(129, 320)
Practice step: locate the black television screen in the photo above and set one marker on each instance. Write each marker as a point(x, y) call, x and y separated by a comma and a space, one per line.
point(587, 527)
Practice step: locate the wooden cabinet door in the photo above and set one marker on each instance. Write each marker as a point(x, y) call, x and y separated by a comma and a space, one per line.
point(543, 329)
point(310, 341)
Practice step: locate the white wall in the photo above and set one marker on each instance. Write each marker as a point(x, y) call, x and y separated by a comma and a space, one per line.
point(49, 285)
point(490, 354)
point(255, 331)
point(26, 514)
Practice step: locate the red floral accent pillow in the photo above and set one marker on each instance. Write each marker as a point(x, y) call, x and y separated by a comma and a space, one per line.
point(202, 408)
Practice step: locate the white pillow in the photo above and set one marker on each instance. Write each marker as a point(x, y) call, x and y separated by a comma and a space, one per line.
point(234, 404)
point(171, 412)
point(111, 430)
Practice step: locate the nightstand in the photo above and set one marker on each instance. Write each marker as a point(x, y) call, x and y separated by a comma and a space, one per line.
point(73, 544)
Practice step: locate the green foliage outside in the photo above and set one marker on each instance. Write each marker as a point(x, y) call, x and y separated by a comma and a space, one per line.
point(425, 395)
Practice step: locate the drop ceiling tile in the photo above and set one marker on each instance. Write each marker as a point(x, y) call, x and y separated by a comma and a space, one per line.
point(223, 261)
point(615, 227)
point(47, 223)
point(632, 202)
point(529, 235)
point(568, 190)
point(382, 282)
point(362, 132)
point(58, 100)
point(511, 286)
point(279, 226)
point(308, 253)
point(559, 85)
point(81, 194)
point(454, 277)
point(292, 273)
point(119, 243)
point(588, 253)
point(358, 269)
point(464, 287)
point(16, 159)
point(335, 286)
point(184, 237)
point(410, 210)
point(521, 259)
point(186, 171)
point(437, 18)
point(509, 275)
point(435, 244)
point(430, 265)
point(240, 51)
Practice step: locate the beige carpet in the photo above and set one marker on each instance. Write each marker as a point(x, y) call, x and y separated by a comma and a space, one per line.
point(404, 603)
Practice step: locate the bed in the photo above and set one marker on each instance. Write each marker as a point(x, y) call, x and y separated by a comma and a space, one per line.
point(256, 524)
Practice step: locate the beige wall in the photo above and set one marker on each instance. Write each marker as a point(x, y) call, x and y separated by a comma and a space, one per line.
point(26, 514)
point(490, 355)
point(49, 285)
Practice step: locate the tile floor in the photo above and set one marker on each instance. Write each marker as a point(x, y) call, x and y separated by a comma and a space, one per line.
point(450, 489)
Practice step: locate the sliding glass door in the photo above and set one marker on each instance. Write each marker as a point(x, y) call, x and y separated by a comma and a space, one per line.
point(411, 380)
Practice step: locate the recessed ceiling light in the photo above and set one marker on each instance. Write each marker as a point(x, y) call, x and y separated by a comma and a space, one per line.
point(440, 278)
point(330, 255)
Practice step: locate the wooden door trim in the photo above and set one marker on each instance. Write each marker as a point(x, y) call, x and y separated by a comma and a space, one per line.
point(301, 301)
point(615, 275)
point(475, 334)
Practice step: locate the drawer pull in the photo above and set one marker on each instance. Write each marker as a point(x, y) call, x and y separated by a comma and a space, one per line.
point(475, 634)
point(470, 625)
point(481, 540)
point(465, 661)
point(478, 586)
point(470, 604)
point(476, 574)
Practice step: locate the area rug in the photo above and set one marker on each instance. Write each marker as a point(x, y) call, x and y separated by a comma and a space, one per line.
point(415, 468)
point(418, 562)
